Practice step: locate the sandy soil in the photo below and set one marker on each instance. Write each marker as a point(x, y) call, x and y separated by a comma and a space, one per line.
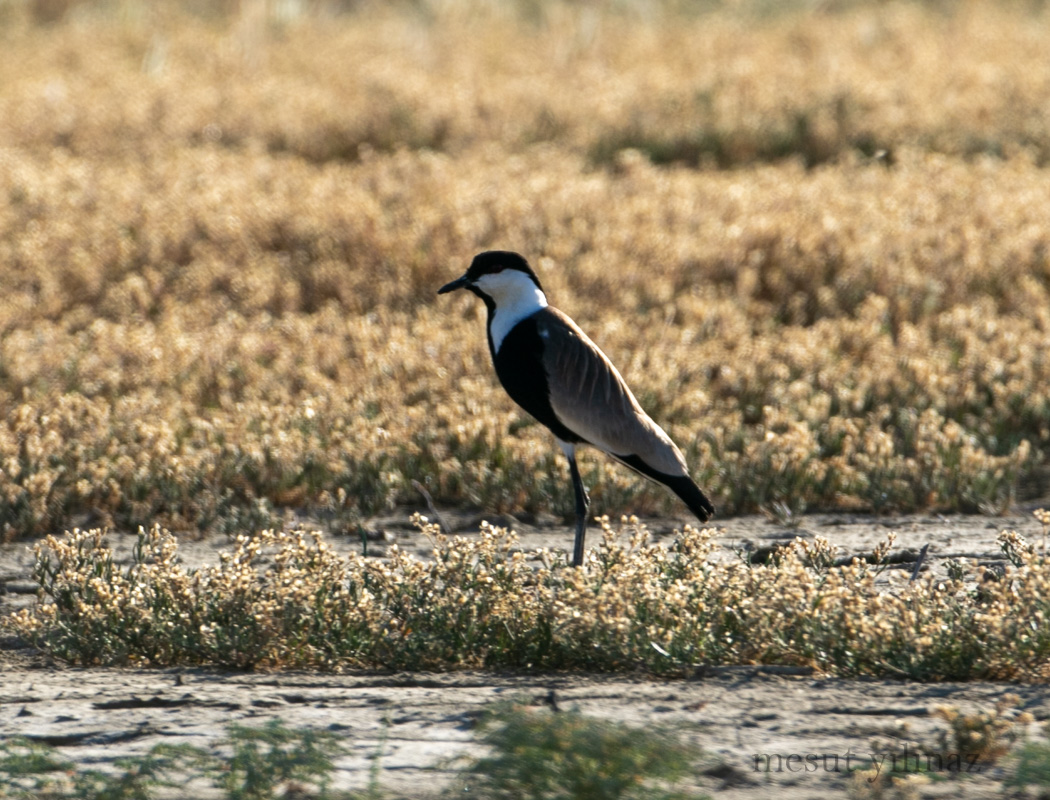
point(767, 731)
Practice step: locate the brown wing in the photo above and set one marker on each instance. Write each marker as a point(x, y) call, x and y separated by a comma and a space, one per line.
point(591, 399)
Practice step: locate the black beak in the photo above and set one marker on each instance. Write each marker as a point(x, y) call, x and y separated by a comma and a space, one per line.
point(458, 283)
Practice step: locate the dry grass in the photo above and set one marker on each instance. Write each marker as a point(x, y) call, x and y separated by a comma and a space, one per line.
point(221, 238)
point(286, 600)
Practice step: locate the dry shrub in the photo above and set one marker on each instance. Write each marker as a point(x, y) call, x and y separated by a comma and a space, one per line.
point(211, 374)
point(986, 736)
point(220, 240)
point(286, 600)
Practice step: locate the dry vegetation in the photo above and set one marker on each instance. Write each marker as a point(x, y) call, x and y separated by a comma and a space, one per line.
point(220, 238)
point(287, 600)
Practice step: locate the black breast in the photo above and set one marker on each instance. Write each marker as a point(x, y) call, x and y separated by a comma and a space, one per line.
point(519, 366)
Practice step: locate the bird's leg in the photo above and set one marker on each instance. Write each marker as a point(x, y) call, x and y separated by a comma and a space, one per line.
point(581, 510)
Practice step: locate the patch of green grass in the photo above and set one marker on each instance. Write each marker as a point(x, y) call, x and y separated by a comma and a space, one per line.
point(164, 766)
point(29, 769)
point(543, 754)
point(273, 756)
point(531, 755)
point(264, 763)
point(1033, 767)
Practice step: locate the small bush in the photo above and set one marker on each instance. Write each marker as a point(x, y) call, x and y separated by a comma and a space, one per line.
point(1032, 767)
point(264, 763)
point(286, 600)
point(541, 754)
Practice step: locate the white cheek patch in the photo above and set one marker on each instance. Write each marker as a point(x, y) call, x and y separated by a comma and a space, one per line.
point(516, 297)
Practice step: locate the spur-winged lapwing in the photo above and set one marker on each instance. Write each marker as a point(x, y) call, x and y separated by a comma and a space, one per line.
point(552, 370)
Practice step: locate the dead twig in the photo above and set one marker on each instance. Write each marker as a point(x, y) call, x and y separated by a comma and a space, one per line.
point(918, 562)
point(430, 505)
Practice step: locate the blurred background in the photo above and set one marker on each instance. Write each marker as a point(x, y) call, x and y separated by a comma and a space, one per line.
point(811, 234)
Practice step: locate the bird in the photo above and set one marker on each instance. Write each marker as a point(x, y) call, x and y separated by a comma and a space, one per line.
point(559, 376)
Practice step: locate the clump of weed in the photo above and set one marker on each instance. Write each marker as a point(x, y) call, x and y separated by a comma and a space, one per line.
point(1043, 516)
point(138, 777)
point(1031, 767)
point(29, 768)
point(541, 753)
point(532, 754)
point(263, 763)
point(971, 745)
point(982, 737)
point(875, 784)
point(287, 600)
point(265, 759)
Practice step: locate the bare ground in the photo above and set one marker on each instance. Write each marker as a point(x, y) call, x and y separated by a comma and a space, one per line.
point(767, 730)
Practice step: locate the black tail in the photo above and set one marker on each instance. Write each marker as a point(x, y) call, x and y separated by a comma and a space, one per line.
point(692, 496)
point(681, 485)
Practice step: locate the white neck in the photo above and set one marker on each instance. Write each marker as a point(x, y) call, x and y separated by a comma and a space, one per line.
point(516, 297)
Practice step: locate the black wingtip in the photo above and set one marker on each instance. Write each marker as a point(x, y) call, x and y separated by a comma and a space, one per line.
point(693, 497)
point(681, 485)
